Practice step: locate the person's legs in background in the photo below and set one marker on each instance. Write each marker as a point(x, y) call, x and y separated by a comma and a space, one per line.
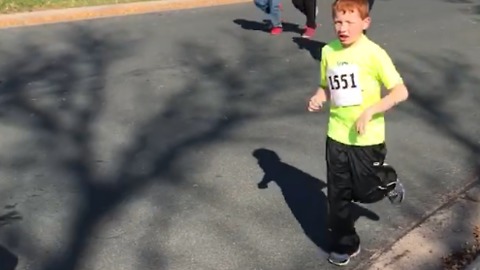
point(275, 17)
point(273, 10)
point(300, 5)
point(311, 14)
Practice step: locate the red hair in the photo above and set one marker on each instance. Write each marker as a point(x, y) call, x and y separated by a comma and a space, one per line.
point(344, 6)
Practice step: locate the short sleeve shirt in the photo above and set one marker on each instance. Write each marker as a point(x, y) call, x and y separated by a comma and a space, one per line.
point(354, 77)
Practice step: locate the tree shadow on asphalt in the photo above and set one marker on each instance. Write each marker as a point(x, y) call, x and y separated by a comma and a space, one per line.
point(468, 7)
point(433, 99)
point(444, 101)
point(59, 100)
point(9, 218)
point(303, 195)
point(56, 98)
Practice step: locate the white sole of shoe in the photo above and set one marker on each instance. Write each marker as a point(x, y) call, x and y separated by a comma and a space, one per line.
point(356, 253)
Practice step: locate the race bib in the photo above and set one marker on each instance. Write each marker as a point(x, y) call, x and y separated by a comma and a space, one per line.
point(343, 82)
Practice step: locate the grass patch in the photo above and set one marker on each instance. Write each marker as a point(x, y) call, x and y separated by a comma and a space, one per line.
point(12, 6)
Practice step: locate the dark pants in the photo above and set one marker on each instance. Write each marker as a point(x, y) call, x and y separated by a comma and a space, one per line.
point(308, 8)
point(351, 175)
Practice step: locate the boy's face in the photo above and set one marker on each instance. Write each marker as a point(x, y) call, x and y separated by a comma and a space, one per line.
point(349, 26)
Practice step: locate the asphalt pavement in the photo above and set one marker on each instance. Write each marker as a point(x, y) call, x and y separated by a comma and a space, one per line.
point(128, 143)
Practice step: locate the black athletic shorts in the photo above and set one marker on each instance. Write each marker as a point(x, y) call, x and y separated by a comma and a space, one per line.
point(360, 169)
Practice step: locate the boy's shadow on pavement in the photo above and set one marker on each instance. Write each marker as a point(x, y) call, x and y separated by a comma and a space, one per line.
point(303, 195)
point(8, 260)
point(262, 26)
point(314, 47)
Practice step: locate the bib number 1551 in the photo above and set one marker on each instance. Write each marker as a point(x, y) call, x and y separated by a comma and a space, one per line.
point(344, 85)
point(342, 82)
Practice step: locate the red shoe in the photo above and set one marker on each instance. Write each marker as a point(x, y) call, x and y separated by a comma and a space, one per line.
point(277, 30)
point(309, 32)
point(304, 27)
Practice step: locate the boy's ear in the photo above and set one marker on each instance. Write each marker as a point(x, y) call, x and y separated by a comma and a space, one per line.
point(366, 23)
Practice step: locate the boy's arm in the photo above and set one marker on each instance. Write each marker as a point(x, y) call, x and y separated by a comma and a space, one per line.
point(323, 86)
point(392, 80)
point(397, 94)
point(322, 94)
point(264, 183)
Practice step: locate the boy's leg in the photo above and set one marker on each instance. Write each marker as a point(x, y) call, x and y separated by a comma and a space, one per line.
point(275, 13)
point(370, 171)
point(263, 5)
point(299, 4)
point(310, 12)
point(272, 9)
point(345, 240)
point(365, 161)
point(394, 188)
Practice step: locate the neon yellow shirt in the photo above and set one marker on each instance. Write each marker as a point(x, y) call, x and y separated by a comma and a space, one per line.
point(354, 77)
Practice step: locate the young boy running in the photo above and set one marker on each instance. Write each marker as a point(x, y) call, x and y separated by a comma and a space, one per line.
point(353, 68)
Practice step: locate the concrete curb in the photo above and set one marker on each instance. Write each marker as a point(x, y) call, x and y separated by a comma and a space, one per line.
point(448, 200)
point(437, 237)
point(95, 12)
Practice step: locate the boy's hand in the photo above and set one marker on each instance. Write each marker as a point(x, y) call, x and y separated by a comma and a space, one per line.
point(316, 102)
point(363, 120)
